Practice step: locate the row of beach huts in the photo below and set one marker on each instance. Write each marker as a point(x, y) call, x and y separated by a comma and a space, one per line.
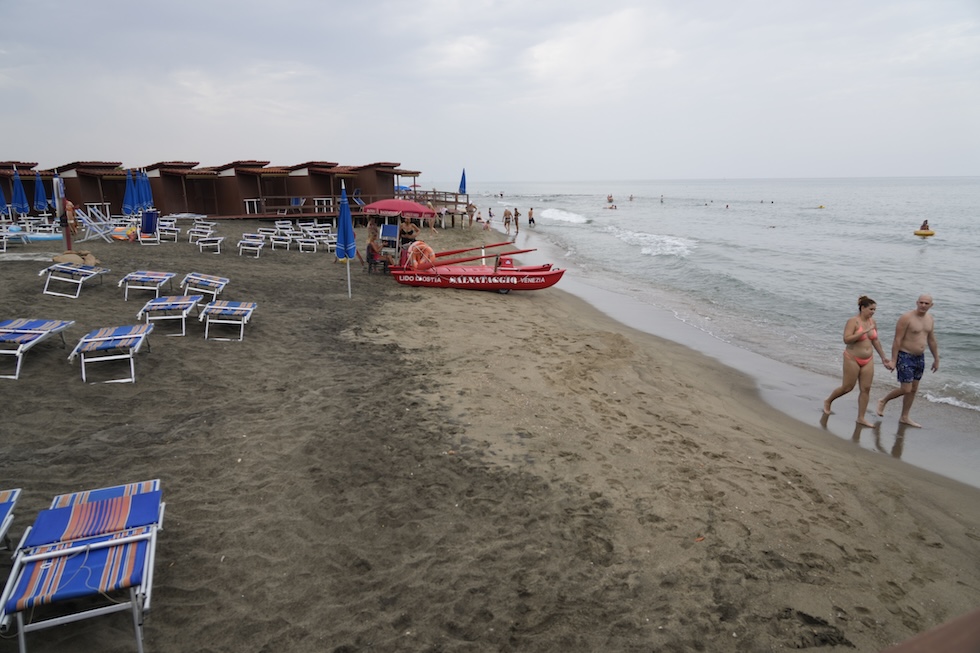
point(235, 189)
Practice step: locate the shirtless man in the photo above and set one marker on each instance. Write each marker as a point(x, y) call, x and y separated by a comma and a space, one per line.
point(913, 333)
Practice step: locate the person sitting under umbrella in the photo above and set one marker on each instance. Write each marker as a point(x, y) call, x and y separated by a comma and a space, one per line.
point(374, 252)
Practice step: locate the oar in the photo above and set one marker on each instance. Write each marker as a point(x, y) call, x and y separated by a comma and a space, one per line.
point(471, 249)
point(477, 258)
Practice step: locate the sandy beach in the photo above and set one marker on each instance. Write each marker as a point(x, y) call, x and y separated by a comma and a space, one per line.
point(430, 470)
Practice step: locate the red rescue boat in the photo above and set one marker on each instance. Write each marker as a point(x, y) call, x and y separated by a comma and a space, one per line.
point(502, 276)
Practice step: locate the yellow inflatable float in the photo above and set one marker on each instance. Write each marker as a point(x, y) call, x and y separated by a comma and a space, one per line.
point(925, 233)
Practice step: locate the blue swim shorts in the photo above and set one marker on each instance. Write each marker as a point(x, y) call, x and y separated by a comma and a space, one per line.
point(910, 367)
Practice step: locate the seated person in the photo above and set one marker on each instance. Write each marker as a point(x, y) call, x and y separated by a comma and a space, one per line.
point(374, 254)
point(925, 226)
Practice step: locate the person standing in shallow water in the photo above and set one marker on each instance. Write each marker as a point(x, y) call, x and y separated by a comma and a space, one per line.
point(914, 332)
point(861, 342)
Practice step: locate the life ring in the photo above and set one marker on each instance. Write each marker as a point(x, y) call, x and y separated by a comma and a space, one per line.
point(925, 233)
point(420, 256)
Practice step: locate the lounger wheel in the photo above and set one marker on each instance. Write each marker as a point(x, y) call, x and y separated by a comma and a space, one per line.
point(504, 291)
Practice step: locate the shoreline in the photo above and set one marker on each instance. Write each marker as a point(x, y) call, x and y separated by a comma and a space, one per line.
point(948, 443)
point(420, 469)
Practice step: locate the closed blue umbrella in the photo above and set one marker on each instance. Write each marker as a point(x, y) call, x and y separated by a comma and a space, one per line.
point(346, 247)
point(19, 197)
point(130, 203)
point(40, 197)
point(141, 200)
point(4, 209)
point(147, 191)
point(462, 183)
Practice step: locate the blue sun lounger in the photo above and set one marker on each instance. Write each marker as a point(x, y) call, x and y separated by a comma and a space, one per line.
point(8, 500)
point(112, 343)
point(71, 273)
point(170, 307)
point(85, 557)
point(146, 280)
point(221, 312)
point(204, 283)
point(19, 335)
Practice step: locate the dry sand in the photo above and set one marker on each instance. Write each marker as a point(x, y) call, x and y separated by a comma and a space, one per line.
point(432, 470)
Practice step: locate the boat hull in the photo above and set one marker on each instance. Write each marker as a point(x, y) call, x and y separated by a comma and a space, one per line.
point(480, 277)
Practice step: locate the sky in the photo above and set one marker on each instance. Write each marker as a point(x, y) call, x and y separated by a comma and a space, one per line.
point(511, 90)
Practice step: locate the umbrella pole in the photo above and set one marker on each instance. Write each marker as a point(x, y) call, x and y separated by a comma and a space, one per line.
point(348, 279)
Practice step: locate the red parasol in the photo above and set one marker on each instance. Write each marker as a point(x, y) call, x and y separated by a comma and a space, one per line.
point(398, 207)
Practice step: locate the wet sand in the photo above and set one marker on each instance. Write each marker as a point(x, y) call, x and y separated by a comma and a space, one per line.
point(416, 469)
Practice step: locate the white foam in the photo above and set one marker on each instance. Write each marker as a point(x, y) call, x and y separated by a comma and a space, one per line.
point(560, 215)
point(657, 244)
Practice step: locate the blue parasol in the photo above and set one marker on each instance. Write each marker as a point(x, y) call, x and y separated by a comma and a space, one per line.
point(19, 198)
point(130, 203)
point(146, 194)
point(40, 198)
point(462, 183)
point(346, 247)
point(4, 209)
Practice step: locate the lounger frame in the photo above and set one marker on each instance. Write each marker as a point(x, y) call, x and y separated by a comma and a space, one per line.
point(140, 596)
point(25, 334)
point(170, 307)
point(220, 312)
point(110, 344)
point(8, 501)
point(146, 280)
point(70, 273)
point(204, 283)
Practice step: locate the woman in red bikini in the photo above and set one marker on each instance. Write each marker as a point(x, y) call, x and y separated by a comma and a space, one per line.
point(861, 340)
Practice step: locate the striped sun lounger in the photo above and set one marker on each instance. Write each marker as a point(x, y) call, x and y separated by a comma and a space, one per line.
point(204, 283)
point(8, 500)
point(221, 312)
point(146, 280)
point(170, 307)
point(71, 273)
point(112, 343)
point(97, 549)
point(17, 336)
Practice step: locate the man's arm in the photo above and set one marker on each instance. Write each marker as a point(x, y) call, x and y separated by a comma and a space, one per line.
point(933, 349)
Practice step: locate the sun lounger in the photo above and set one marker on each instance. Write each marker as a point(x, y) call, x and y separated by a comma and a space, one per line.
point(8, 500)
point(198, 231)
point(94, 224)
point(72, 273)
point(204, 283)
point(112, 343)
point(85, 557)
point(306, 243)
point(146, 280)
point(171, 307)
point(227, 313)
point(149, 231)
point(19, 335)
point(283, 240)
point(251, 243)
point(210, 243)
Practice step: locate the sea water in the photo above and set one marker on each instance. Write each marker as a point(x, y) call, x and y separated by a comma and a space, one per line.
point(776, 267)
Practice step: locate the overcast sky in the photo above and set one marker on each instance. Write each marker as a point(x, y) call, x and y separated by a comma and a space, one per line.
point(532, 90)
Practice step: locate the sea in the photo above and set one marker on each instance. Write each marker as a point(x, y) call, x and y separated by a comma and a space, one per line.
point(764, 273)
